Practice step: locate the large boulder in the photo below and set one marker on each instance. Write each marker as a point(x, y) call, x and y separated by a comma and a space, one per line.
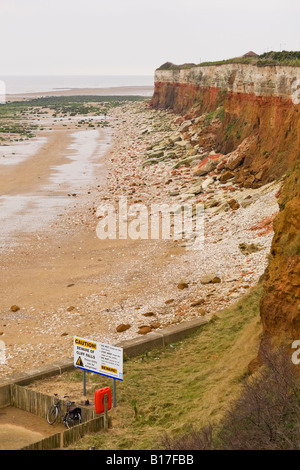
point(208, 164)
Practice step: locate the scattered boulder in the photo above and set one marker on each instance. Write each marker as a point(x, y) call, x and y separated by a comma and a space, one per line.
point(207, 183)
point(211, 203)
point(143, 330)
point(234, 162)
point(202, 312)
point(185, 125)
point(197, 187)
point(228, 175)
point(155, 325)
point(210, 278)
point(123, 327)
point(197, 302)
point(208, 164)
point(148, 314)
point(234, 205)
point(14, 308)
point(248, 248)
point(175, 137)
point(182, 285)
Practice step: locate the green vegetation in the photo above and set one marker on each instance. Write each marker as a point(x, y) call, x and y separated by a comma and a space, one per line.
point(289, 58)
point(16, 116)
point(219, 113)
point(187, 383)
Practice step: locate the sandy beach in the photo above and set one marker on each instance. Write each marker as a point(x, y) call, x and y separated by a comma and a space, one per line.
point(62, 280)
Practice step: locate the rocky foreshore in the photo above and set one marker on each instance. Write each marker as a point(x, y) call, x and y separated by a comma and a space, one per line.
point(150, 284)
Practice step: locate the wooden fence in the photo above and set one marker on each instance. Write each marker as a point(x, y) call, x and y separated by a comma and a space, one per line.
point(37, 403)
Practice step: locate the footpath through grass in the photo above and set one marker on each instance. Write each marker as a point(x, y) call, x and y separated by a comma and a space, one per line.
point(187, 383)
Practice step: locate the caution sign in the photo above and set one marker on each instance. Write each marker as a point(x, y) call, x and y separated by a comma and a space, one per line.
point(86, 354)
point(98, 357)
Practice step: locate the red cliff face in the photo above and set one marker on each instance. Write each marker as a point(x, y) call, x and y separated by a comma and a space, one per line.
point(280, 304)
point(260, 108)
point(272, 122)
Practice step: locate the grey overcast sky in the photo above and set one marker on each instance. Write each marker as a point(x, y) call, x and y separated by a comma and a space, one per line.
point(97, 37)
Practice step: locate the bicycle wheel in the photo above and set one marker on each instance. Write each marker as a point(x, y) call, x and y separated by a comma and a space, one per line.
point(52, 414)
point(70, 422)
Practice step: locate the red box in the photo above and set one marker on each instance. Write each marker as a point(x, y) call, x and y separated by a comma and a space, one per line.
point(99, 399)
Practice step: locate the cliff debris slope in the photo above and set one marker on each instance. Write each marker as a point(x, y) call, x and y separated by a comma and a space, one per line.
point(241, 123)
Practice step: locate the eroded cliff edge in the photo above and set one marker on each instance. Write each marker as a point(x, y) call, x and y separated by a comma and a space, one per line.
point(255, 112)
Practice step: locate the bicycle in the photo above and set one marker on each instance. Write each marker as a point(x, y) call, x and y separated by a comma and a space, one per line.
point(72, 416)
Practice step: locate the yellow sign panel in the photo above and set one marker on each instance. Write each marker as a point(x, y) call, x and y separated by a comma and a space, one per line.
point(109, 369)
point(85, 344)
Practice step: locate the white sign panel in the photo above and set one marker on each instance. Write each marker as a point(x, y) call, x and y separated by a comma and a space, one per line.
point(98, 357)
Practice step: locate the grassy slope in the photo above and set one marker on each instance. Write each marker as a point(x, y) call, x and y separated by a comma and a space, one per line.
point(190, 382)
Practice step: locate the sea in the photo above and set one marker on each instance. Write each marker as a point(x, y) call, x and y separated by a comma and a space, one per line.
point(42, 83)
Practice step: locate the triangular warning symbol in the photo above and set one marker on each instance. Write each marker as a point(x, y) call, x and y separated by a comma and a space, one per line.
point(79, 362)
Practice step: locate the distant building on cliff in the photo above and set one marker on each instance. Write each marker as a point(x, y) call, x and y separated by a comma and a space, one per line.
point(250, 54)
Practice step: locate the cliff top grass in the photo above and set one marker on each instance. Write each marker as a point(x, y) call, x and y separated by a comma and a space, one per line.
point(190, 382)
point(287, 58)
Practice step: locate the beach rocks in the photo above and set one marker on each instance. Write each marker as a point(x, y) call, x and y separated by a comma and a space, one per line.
point(182, 285)
point(155, 325)
point(185, 125)
point(206, 183)
point(210, 278)
point(197, 187)
point(14, 308)
point(234, 205)
point(197, 303)
point(143, 330)
point(207, 164)
point(123, 327)
point(248, 248)
point(228, 175)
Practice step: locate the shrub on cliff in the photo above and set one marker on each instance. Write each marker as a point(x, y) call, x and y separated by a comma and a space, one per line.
point(265, 417)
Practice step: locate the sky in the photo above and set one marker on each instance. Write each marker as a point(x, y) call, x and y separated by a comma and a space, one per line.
point(134, 37)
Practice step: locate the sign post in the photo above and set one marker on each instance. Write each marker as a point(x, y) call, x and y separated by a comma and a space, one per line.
point(98, 358)
point(114, 393)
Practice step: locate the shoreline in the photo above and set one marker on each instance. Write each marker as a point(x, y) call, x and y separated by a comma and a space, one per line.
point(146, 91)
